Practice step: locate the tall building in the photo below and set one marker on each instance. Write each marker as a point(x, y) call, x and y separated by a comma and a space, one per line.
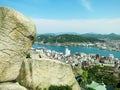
point(67, 52)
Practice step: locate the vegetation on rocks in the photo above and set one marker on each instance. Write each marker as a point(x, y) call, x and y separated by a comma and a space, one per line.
point(66, 87)
point(28, 55)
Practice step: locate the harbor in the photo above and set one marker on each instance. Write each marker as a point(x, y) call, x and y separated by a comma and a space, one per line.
point(79, 49)
point(82, 60)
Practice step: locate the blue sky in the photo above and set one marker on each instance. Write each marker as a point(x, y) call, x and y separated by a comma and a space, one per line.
point(80, 16)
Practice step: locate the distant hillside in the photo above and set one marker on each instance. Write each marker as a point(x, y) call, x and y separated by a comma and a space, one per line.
point(63, 38)
point(111, 36)
point(103, 36)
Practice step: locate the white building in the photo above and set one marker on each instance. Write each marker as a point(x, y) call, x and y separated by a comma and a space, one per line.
point(67, 52)
point(111, 56)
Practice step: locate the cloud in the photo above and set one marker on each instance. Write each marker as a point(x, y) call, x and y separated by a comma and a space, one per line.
point(87, 5)
point(78, 25)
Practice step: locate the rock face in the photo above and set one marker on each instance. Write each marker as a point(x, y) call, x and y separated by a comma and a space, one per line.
point(17, 34)
point(11, 86)
point(40, 74)
point(77, 71)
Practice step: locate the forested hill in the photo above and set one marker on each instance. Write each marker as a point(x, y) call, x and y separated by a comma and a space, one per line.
point(63, 38)
point(111, 36)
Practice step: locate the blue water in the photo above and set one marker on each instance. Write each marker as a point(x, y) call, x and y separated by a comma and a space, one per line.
point(74, 49)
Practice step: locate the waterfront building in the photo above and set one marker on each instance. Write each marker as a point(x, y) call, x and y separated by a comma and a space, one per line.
point(67, 52)
point(111, 58)
point(81, 59)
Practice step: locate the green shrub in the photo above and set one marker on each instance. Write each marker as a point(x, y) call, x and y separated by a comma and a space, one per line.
point(28, 55)
point(44, 89)
point(89, 88)
point(53, 87)
point(117, 88)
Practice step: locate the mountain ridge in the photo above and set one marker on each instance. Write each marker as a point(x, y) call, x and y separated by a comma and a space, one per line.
point(112, 36)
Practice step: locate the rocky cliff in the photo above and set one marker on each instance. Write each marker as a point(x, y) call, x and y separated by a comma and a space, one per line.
point(17, 34)
point(11, 86)
point(45, 72)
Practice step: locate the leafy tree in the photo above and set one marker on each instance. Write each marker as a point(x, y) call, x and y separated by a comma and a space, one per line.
point(118, 85)
point(117, 88)
point(99, 76)
point(85, 76)
point(110, 80)
point(90, 88)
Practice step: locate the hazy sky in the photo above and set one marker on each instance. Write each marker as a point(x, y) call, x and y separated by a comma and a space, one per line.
point(80, 16)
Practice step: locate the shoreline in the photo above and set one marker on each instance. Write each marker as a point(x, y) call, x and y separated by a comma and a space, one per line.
point(90, 45)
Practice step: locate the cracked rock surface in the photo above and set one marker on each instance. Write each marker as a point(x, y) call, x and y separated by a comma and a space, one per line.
point(17, 34)
point(11, 86)
point(42, 73)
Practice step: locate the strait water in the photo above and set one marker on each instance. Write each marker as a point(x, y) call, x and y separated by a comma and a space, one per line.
point(74, 49)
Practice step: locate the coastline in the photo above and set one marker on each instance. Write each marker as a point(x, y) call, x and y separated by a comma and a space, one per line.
point(81, 44)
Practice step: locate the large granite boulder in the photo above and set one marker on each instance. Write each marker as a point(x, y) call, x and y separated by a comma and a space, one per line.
point(11, 86)
point(17, 34)
point(77, 70)
point(40, 74)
